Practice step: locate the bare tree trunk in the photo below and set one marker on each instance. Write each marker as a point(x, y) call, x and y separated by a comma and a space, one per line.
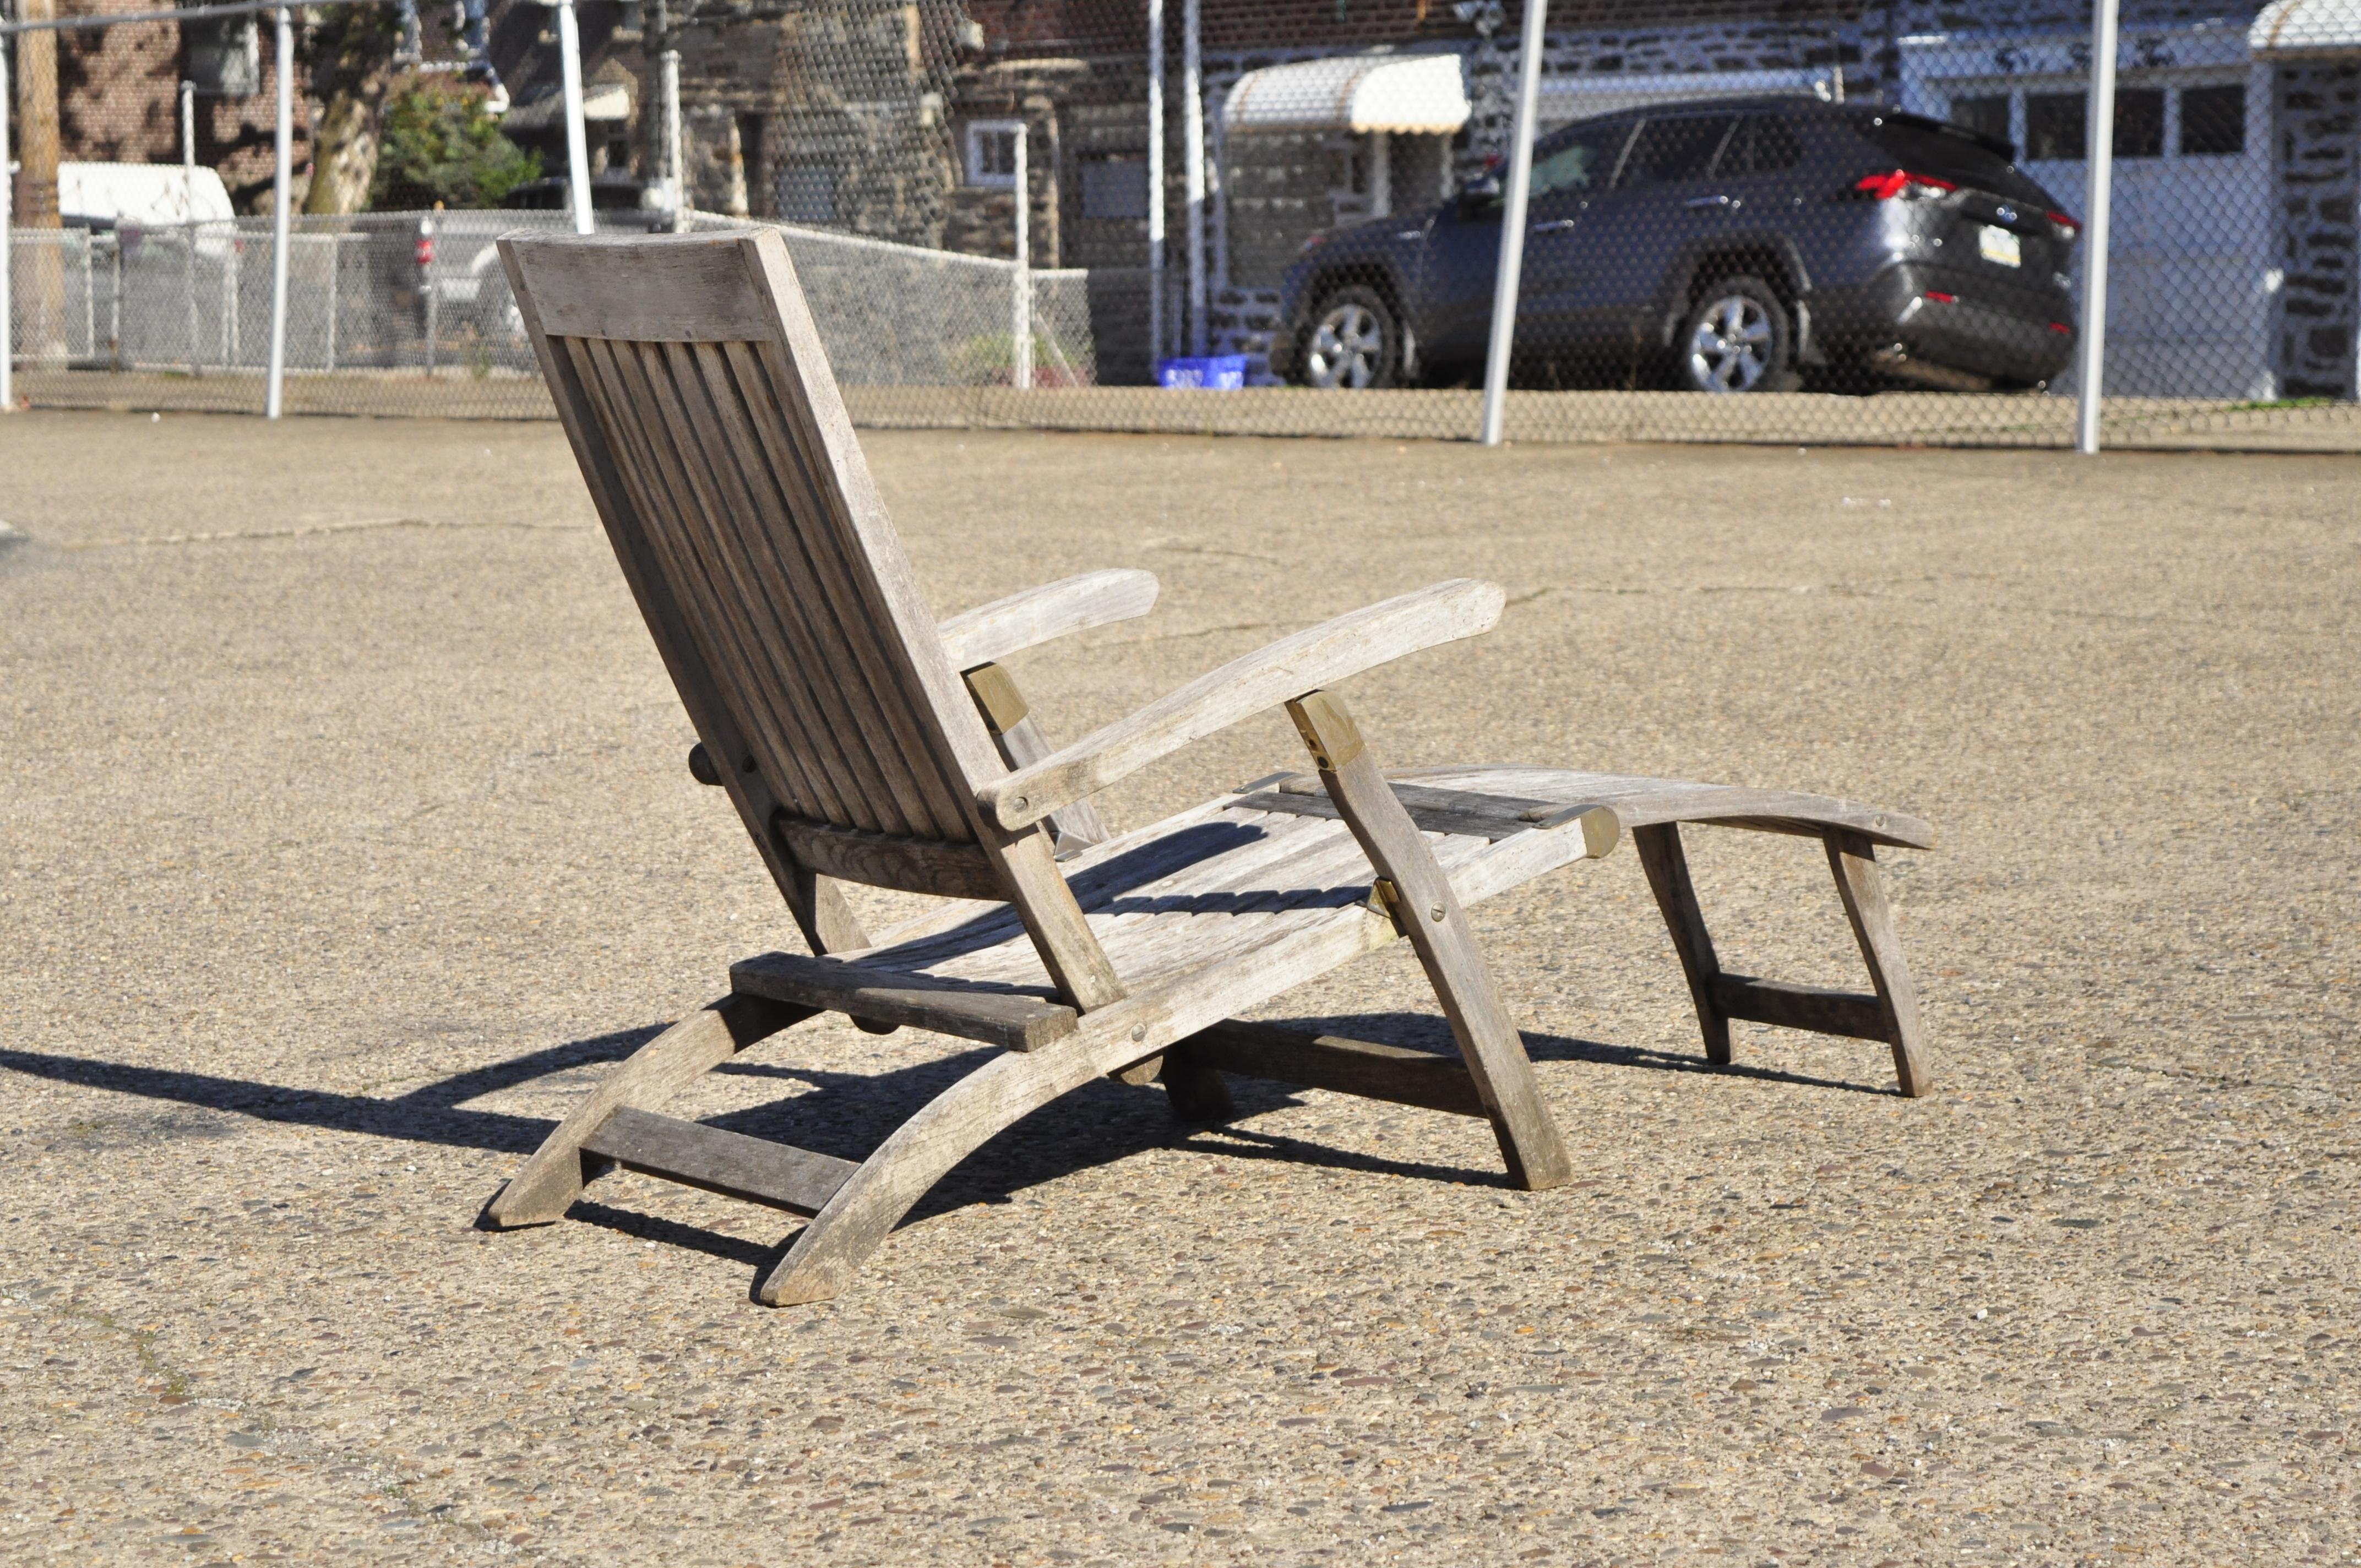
point(41, 299)
point(344, 151)
point(350, 54)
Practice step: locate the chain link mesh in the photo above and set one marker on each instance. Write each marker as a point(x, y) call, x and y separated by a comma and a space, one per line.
point(1751, 222)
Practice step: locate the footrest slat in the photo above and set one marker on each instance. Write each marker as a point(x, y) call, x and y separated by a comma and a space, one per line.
point(717, 1160)
point(1330, 1061)
point(1852, 1014)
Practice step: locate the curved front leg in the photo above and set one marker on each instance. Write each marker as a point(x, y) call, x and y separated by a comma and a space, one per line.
point(550, 1180)
point(954, 1124)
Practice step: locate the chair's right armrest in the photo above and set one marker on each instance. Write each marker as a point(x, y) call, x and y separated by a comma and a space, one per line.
point(990, 632)
point(1288, 668)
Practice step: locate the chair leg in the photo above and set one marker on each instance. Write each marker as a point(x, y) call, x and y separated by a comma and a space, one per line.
point(952, 1126)
point(1429, 913)
point(1668, 877)
point(1196, 1091)
point(1853, 860)
point(550, 1181)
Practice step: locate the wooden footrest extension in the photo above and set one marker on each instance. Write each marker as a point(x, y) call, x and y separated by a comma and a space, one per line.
point(1852, 1014)
point(717, 1160)
point(1330, 1061)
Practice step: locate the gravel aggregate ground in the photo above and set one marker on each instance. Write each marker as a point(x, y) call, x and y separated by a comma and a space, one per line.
point(345, 839)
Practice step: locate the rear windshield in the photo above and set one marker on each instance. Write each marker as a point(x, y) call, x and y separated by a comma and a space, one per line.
point(1929, 146)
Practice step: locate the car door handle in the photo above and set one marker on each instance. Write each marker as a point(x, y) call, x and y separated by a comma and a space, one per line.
point(1708, 202)
point(1556, 227)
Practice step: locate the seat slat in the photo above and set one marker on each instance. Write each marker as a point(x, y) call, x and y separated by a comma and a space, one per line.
point(947, 1006)
point(718, 1161)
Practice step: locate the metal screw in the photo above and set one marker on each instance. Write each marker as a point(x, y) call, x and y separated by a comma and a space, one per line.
point(1435, 913)
point(1139, 1031)
point(1020, 803)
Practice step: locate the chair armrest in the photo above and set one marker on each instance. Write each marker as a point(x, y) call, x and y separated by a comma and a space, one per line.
point(1290, 667)
point(991, 633)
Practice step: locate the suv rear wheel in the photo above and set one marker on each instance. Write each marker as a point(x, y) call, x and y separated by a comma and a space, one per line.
point(1737, 339)
point(1352, 343)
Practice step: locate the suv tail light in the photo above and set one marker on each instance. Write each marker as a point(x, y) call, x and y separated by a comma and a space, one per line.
point(1901, 182)
point(2066, 230)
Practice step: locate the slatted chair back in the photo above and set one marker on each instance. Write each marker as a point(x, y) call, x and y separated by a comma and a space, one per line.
point(692, 383)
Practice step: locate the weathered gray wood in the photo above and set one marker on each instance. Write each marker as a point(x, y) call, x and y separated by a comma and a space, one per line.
point(1260, 681)
point(1429, 913)
point(1667, 866)
point(1855, 863)
point(991, 633)
point(680, 287)
point(1364, 1068)
point(1854, 1014)
point(886, 859)
point(718, 1161)
point(549, 1183)
point(1644, 802)
point(923, 1001)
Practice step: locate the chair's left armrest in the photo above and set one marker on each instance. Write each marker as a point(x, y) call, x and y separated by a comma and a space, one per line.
point(990, 632)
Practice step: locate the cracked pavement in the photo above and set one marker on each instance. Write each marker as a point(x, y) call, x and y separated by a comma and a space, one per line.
point(344, 850)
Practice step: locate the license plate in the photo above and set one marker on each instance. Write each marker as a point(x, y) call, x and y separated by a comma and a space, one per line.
point(2002, 246)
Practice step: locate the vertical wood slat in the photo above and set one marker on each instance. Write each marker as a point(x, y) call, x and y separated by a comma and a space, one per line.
point(669, 533)
point(857, 594)
point(770, 604)
point(858, 800)
point(845, 653)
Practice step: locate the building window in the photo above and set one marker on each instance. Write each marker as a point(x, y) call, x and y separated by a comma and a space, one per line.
point(2214, 121)
point(1986, 113)
point(1115, 188)
point(2139, 122)
point(991, 152)
point(2054, 128)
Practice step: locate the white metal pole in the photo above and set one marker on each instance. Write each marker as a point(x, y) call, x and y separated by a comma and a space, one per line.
point(2101, 149)
point(577, 153)
point(672, 170)
point(1513, 225)
point(1193, 168)
point(1155, 184)
point(281, 220)
point(1020, 315)
point(189, 143)
point(189, 212)
point(7, 222)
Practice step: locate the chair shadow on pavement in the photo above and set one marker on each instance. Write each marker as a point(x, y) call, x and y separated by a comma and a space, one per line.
point(847, 1114)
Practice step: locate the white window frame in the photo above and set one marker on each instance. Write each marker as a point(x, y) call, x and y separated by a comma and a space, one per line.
point(976, 131)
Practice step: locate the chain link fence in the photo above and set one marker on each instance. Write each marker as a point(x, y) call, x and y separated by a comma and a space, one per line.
point(1763, 222)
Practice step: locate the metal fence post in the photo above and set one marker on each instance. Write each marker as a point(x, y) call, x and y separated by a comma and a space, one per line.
point(189, 214)
point(672, 170)
point(281, 220)
point(1020, 315)
point(577, 152)
point(2100, 135)
point(8, 260)
point(1155, 185)
point(1193, 168)
point(1513, 225)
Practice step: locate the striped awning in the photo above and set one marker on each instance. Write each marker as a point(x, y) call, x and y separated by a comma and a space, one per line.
point(1414, 95)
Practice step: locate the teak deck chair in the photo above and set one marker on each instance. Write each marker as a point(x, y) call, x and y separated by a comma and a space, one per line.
point(862, 742)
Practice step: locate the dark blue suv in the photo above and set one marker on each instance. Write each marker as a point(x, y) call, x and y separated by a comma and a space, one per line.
point(1740, 245)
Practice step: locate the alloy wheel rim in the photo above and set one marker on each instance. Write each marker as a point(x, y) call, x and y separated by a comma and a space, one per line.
point(1347, 348)
point(1730, 350)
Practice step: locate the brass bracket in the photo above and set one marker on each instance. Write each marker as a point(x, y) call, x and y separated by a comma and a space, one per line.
point(1386, 899)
